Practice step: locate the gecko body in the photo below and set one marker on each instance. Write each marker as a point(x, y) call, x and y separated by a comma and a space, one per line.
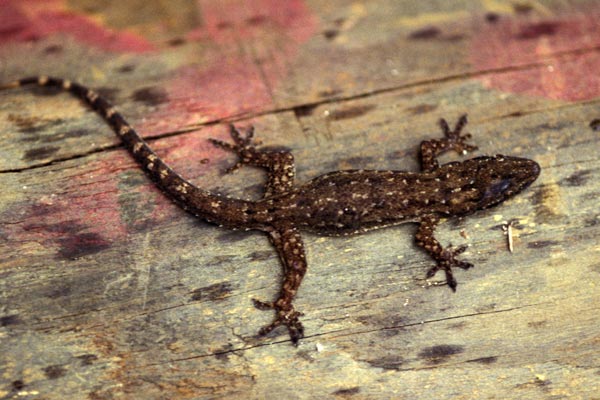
point(337, 203)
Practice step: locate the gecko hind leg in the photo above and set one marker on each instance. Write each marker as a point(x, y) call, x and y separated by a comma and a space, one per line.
point(278, 163)
point(288, 243)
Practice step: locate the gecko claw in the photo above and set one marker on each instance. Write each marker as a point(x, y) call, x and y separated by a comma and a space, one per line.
point(458, 263)
point(263, 305)
point(446, 263)
point(288, 318)
point(241, 139)
point(458, 141)
point(243, 146)
point(459, 250)
point(460, 124)
point(234, 167)
point(221, 144)
point(464, 264)
point(450, 280)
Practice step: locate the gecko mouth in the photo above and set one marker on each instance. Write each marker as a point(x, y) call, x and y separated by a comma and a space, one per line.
point(528, 172)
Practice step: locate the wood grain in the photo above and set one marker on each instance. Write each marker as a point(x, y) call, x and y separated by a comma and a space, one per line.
point(108, 290)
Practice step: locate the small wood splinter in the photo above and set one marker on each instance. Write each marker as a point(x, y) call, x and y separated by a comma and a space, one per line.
point(507, 228)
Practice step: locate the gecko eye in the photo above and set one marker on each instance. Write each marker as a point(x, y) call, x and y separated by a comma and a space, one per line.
point(498, 188)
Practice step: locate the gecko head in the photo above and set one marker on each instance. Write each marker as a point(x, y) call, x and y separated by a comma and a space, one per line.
point(483, 182)
point(501, 177)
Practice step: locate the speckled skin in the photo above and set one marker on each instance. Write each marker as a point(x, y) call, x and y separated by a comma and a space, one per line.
point(337, 203)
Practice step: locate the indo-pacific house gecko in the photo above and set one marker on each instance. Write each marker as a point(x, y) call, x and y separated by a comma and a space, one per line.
point(337, 203)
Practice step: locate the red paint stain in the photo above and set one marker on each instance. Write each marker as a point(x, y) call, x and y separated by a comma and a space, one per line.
point(31, 20)
point(93, 210)
point(520, 41)
point(250, 46)
point(75, 225)
point(228, 21)
point(227, 88)
point(247, 48)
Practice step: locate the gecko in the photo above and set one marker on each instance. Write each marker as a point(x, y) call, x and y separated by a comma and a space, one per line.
point(337, 203)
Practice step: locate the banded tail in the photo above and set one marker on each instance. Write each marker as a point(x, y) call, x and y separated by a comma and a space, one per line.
point(202, 203)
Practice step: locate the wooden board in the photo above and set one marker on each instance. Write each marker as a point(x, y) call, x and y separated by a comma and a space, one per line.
point(108, 290)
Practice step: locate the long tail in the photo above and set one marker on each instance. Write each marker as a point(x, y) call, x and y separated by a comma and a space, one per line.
point(200, 202)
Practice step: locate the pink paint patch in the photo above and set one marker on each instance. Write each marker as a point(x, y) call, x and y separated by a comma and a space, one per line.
point(257, 41)
point(94, 210)
point(572, 76)
point(27, 20)
point(83, 222)
point(230, 88)
point(228, 21)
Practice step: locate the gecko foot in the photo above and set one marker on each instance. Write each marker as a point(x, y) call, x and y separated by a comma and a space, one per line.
point(285, 316)
point(457, 141)
point(446, 262)
point(243, 146)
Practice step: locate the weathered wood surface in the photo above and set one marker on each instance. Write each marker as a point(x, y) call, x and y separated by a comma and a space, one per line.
point(107, 290)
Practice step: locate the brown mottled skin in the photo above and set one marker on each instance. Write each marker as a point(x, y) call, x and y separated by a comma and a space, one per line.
point(337, 203)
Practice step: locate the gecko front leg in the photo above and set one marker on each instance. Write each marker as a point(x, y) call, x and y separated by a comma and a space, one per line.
point(445, 257)
point(288, 242)
point(452, 140)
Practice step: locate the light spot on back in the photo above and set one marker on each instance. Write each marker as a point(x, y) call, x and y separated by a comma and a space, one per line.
point(110, 112)
point(137, 147)
point(91, 95)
